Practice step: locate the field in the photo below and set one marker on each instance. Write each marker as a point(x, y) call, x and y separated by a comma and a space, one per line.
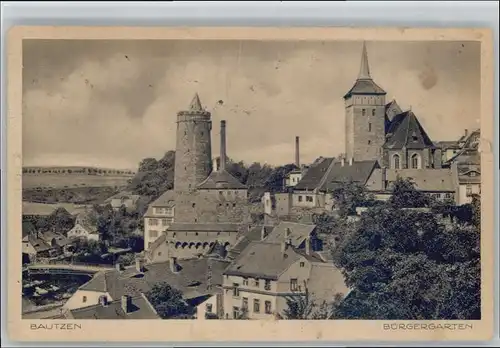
point(55, 181)
point(77, 195)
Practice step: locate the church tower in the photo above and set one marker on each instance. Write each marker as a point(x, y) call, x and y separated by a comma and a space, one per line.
point(364, 116)
point(193, 153)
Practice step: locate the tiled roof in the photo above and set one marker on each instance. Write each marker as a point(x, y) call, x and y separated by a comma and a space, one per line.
point(264, 260)
point(425, 179)
point(221, 179)
point(325, 281)
point(208, 227)
point(140, 308)
point(449, 144)
point(365, 86)
point(315, 173)
point(252, 235)
point(38, 244)
point(328, 175)
point(298, 232)
point(406, 131)
point(132, 283)
point(358, 172)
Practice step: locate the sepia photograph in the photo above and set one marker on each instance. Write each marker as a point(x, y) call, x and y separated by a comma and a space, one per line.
point(272, 180)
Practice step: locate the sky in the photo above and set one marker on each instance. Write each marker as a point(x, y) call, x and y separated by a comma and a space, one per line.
point(113, 103)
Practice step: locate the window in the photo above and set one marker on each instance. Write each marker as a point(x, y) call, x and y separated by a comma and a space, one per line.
point(153, 234)
point(294, 284)
point(468, 190)
point(256, 306)
point(373, 112)
point(153, 222)
point(472, 173)
point(267, 305)
point(257, 284)
point(309, 198)
point(220, 193)
point(84, 299)
point(369, 127)
point(267, 285)
point(302, 264)
point(395, 160)
point(245, 281)
point(369, 142)
point(209, 308)
point(164, 222)
point(300, 198)
point(244, 303)
point(194, 205)
point(236, 291)
point(414, 161)
point(236, 312)
point(363, 112)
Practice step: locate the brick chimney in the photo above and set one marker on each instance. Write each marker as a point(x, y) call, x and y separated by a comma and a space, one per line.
point(126, 303)
point(222, 165)
point(297, 152)
point(139, 264)
point(466, 133)
point(103, 300)
point(173, 265)
point(308, 246)
point(263, 233)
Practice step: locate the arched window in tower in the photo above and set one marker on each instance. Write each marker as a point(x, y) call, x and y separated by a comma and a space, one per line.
point(395, 161)
point(415, 161)
point(363, 112)
point(369, 127)
point(373, 112)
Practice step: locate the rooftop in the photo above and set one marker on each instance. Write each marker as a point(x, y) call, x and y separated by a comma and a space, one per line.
point(298, 232)
point(425, 179)
point(406, 131)
point(139, 308)
point(190, 275)
point(204, 227)
point(221, 179)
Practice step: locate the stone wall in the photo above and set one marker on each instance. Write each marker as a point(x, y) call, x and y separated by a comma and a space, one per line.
point(193, 154)
point(209, 206)
point(365, 127)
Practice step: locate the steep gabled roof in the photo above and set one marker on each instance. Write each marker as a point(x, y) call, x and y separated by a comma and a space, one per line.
point(329, 174)
point(406, 131)
point(221, 179)
point(298, 232)
point(263, 260)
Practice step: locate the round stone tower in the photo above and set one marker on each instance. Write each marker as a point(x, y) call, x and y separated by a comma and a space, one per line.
point(193, 153)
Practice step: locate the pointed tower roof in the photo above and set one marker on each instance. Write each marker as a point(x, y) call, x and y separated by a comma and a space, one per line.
point(364, 84)
point(195, 103)
point(364, 69)
point(406, 131)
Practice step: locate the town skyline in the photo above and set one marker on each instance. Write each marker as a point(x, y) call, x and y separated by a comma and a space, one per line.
point(111, 106)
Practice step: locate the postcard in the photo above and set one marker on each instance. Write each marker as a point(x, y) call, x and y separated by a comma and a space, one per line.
point(250, 184)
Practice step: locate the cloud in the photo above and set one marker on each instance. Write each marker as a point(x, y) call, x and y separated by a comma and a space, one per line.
point(113, 103)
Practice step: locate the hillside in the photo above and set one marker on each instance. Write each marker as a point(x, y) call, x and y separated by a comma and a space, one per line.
point(72, 177)
point(76, 195)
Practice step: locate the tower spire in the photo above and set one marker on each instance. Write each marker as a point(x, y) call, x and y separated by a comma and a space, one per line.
point(195, 104)
point(364, 69)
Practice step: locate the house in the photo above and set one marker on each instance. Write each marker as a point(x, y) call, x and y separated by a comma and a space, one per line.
point(126, 307)
point(196, 279)
point(314, 190)
point(37, 245)
point(296, 234)
point(158, 217)
point(257, 284)
point(125, 199)
point(440, 184)
point(85, 227)
point(254, 234)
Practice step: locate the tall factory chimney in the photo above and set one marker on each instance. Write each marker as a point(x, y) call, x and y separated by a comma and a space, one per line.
point(222, 165)
point(297, 153)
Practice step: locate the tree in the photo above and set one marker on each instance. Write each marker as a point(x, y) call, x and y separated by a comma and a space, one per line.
point(303, 306)
point(405, 265)
point(350, 196)
point(404, 195)
point(167, 301)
